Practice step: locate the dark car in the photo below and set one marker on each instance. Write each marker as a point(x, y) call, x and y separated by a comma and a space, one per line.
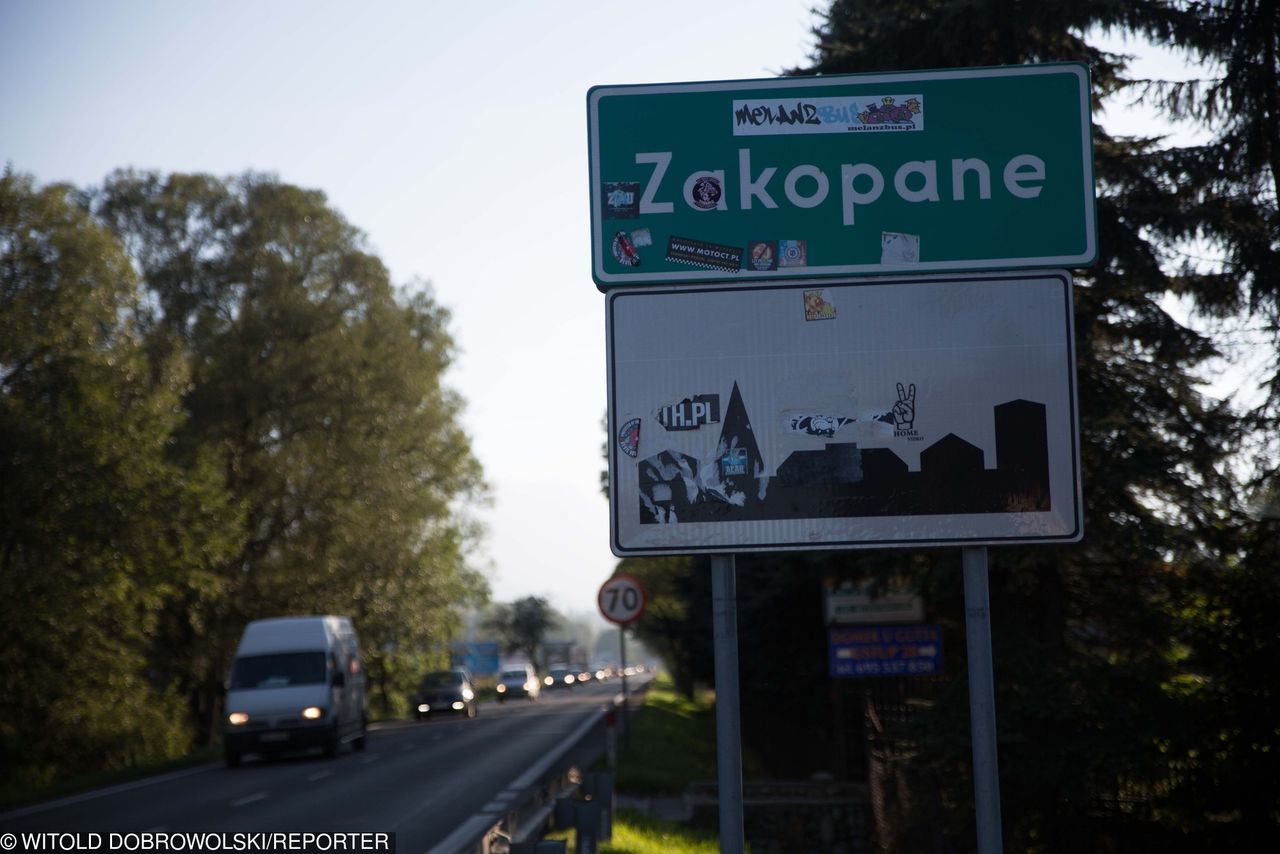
point(561, 677)
point(445, 692)
point(518, 682)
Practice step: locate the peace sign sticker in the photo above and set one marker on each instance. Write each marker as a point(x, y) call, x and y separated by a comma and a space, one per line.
point(621, 599)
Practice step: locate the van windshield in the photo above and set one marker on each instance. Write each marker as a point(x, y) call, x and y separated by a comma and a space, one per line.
point(278, 670)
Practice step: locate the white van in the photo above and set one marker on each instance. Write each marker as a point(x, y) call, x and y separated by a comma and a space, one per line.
point(296, 683)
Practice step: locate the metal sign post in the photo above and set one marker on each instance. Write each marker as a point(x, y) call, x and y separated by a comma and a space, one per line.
point(626, 697)
point(982, 699)
point(724, 603)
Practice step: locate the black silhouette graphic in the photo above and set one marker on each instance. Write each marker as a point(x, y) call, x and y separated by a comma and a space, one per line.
point(844, 481)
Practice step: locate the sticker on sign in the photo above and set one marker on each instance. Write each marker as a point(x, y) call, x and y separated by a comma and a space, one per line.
point(622, 599)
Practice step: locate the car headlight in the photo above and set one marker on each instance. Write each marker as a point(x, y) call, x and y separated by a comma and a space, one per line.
point(312, 713)
point(237, 719)
point(529, 686)
point(468, 694)
point(423, 707)
point(501, 689)
point(568, 680)
point(548, 681)
point(458, 705)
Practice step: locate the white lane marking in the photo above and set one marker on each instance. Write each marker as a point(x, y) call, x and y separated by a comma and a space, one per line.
point(320, 775)
point(495, 806)
point(470, 830)
point(111, 790)
point(372, 757)
point(249, 799)
point(535, 773)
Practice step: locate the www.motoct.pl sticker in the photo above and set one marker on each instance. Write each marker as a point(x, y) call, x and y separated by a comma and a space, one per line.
point(699, 253)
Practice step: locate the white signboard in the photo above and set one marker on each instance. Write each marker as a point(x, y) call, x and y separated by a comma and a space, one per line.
point(871, 413)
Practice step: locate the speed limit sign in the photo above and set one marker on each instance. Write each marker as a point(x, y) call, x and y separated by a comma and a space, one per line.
point(621, 600)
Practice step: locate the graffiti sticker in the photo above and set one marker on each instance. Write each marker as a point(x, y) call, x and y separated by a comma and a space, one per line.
point(818, 305)
point(691, 413)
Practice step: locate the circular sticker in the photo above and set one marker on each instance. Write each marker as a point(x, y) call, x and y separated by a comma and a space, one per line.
point(706, 193)
point(624, 251)
point(629, 437)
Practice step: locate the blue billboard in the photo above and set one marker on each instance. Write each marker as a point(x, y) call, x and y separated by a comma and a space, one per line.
point(908, 650)
point(480, 657)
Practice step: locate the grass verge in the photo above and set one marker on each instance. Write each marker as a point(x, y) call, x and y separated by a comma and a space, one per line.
point(636, 833)
point(672, 742)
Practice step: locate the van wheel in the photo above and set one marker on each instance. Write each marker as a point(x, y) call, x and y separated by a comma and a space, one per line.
point(359, 743)
point(232, 757)
point(331, 744)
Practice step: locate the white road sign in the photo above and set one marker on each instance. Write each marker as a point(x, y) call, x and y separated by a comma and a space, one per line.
point(622, 599)
point(865, 413)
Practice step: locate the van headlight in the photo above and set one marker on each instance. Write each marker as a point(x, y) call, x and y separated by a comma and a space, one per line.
point(549, 681)
point(312, 713)
point(501, 689)
point(237, 718)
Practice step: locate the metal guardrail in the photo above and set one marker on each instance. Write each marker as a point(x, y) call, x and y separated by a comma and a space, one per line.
point(556, 775)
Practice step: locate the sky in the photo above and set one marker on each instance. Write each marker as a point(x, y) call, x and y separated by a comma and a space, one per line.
point(458, 144)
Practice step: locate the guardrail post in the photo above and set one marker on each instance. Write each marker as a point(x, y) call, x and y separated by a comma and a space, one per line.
point(544, 846)
point(587, 827)
point(563, 814)
point(602, 794)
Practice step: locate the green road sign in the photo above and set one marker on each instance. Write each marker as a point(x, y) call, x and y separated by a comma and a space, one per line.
point(952, 170)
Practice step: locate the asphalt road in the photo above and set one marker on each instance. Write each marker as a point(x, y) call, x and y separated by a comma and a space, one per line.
point(418, 780)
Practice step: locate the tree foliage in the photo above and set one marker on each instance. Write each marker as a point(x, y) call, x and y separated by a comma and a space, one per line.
point(522, 625)
point(98, 525)
point(215, 389)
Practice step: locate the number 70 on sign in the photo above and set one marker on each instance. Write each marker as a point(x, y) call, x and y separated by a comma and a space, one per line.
point(621, 599)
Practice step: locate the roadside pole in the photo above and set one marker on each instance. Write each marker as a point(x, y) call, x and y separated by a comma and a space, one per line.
point(724, 602)
point(982, 699)
point(622, 600)
point(626, 699)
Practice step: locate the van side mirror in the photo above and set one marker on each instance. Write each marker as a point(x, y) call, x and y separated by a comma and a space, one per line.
point(339, 679)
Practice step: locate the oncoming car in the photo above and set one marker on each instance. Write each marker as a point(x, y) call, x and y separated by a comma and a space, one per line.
point(445, 692)
point(296, 683)
point(560, 677)
point(518, 682)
